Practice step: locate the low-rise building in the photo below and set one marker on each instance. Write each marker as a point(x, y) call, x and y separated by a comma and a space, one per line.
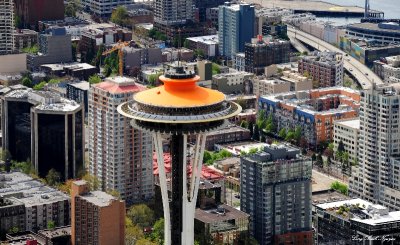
point(239, 61)
point(368, 50)
point(77, 70)
point(354, 221)
point(172, 54)
point(390, 69)
point(42, 204)
point(313, 110)
point(24, 38)
point(54, 47)
point(208, 45)
point(290, 81)
point(12, 215)
point(136, 57)
point(326, 68)
point(229, 134)
point(232, 82)
point(346, 131)
point(224, 224)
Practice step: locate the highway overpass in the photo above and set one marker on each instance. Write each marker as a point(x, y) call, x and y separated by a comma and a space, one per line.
point(362, 73)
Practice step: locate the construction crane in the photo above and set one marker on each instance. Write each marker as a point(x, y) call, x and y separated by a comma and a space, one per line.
point(118, 47)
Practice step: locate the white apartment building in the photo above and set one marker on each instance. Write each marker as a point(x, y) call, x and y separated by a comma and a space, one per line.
point(104, 7)
point(347, 131)
point(290, 81)
point(6, 26)
point(376, 178)
point(173, 12)
point(119, 156)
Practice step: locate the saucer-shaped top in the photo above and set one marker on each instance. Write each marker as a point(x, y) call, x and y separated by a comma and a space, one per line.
point(178, 93)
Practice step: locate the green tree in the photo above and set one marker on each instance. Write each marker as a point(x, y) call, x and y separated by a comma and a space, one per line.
point(94, 79)
point(251, 128)
point(107, 70)
point(207, 156)
point(282, 133)
point(297, 134)
point(26, 81)
point(51, 225)
point(120, 16)
point(215, 69)
point(114, 193)
point(289, 135)
point(53, 177)
point(199, 53)
point(70, 10)
point(186, 43)
point(17, 21)
point(133, 233)
point(141, 215)
point(66, 186)
point(54, 81)
point(338, 186)
point(4, 155)
point(144, 241)
point(93, 181)
point(34, 49)
point(158, 232)
point(244, 124)
point(40, 86)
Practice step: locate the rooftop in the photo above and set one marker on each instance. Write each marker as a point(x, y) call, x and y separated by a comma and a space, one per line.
point(351, 123)
point(42, 100)
point(83, 85)
point(98, 198)
point(374, 27)
point(361, 211)
point(56, 232)
point(225, 213)
point(119, 85)
point(210, 39)
point(28, 191)
point(228, 129)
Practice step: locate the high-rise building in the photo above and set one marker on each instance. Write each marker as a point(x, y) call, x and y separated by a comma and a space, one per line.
point(324, 67)
point(376, 179)
point(103, 7)
point(6, 26)
point(42, 127)
point(173, 12)
point(262, 52)
point(276, 192)
point(30, 12)
point(119, 156)
point(96, 217)
point(235, 27)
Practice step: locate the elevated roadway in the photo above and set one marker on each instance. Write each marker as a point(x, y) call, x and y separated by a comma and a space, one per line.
point(362, 73)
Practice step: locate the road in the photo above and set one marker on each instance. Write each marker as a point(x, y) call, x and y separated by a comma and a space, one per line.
point(362, 73)
point(298, 45)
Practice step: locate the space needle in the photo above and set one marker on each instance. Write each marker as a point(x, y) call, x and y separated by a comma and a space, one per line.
point(178, 109)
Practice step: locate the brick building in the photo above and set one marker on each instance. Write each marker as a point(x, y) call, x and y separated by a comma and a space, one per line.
point(32, 11)
point(314, 110)
point(97, 217)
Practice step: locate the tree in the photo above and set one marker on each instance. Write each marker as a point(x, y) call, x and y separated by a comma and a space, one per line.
point(340, 146)
point(26, 81)
point(144, 241)
point(186, 43)
point(51, 225)
point(114, 193)
point(141, 215)
point(70, 10)
point(198, 53)
point(244, 124)
point(17, 22)
point(40, 86)
point(119, 16)
point(34, 49)
point(215, 69)
point(93, 181)
point(66, 186)
point(54, 81)
point(207, 156)
point(282, 133)
point(297, 134)
point(53, 177)
point(133, 233)
point(289, 135)
point(107, 71)
point(256, 133)
point(251, 128)
point(94, 79)
point(153, 78)
point(5, 155)
point(158, 232)
point(319, 161)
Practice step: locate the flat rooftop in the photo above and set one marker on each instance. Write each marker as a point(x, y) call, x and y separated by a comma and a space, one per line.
point(236, 147)
point(229, 129)
point(210, 216)
point(351, 123)
point(98, 198)
point(327, 196)
point(28, 191)
point(373, 27)
point(210, 39)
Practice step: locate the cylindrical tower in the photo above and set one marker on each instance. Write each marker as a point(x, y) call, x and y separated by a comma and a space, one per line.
point(179, 108)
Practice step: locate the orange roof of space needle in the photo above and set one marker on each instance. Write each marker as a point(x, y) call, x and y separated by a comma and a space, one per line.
point(178, 93)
